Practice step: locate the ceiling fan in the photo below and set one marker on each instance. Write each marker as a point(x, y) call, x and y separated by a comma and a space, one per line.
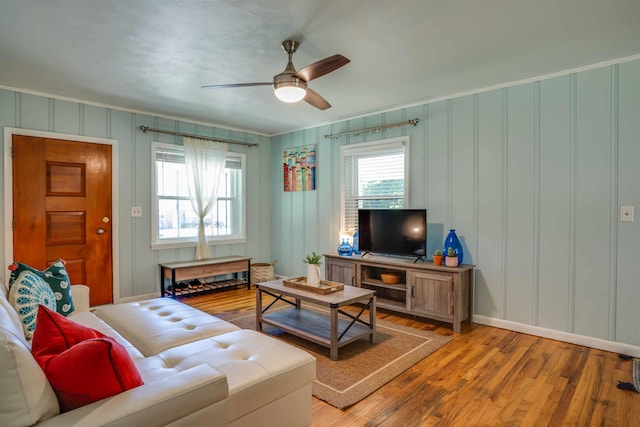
point(291, 85)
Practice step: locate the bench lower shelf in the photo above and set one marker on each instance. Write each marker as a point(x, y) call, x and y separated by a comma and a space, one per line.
point(205, 287)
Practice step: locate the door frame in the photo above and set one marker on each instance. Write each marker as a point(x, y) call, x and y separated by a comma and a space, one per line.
point(8, 196)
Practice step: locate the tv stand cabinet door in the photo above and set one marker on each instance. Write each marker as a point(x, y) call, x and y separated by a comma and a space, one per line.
point(433, 295)
point(341, 271)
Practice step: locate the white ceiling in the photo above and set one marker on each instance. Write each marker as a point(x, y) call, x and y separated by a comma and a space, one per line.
point(153, 55)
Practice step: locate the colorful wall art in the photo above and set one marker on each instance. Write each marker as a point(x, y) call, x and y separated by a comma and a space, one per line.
point(300, 168)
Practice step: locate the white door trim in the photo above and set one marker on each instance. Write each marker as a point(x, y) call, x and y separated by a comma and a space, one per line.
point(8, 195)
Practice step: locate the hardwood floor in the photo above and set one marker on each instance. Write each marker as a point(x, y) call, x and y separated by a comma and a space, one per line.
point(484, 377)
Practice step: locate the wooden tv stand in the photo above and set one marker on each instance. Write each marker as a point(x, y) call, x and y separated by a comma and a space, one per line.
point(425, 290)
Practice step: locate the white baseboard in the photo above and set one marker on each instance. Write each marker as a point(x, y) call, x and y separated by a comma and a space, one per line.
point(612, 346)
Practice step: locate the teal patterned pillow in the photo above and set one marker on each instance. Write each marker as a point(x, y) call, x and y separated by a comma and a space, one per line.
point(56, 277)
point(27, 292)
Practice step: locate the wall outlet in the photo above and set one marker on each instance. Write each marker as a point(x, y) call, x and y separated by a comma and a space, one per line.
point(626, 213)
point(136, 211)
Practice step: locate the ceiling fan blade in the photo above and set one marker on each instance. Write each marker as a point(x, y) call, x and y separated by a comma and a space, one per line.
point(237, 85)
point(316, 100)
point(322, 67)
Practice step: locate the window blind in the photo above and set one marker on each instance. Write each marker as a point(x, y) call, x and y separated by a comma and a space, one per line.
point(177, 156)
point(374, 178)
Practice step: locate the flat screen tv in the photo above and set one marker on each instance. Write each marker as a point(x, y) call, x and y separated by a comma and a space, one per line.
point(401, 232)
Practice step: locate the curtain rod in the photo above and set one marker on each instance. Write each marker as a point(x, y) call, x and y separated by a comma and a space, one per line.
point(413, 122)
point(189, 135)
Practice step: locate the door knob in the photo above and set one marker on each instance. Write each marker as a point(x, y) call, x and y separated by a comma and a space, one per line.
point(100, 231)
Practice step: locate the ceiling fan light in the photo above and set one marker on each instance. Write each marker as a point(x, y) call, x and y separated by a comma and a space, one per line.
point(290, 92)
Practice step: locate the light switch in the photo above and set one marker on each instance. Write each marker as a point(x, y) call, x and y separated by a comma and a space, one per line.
point(626, 213)
point(136, 211)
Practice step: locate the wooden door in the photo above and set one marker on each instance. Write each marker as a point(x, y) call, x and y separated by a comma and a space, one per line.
point(62, 209)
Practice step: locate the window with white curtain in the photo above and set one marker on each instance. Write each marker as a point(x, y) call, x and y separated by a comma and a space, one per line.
point(374, 175)
point(174, 222)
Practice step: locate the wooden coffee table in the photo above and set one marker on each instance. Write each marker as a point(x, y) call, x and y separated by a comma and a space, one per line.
point(327, 329)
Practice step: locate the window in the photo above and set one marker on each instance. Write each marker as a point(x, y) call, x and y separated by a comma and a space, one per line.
point(175, 223)
point(374, 175)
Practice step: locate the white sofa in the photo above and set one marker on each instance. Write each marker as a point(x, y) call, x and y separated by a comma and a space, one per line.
point(198, 370)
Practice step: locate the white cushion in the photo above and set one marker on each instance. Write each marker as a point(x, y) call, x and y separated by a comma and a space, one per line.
point(89, 320)
point(158, 324)
point(27, 396)
point(80, 295)
point(259, 369)
point(10, 311)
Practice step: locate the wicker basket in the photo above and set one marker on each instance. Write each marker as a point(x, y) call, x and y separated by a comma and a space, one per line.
point(262, 272)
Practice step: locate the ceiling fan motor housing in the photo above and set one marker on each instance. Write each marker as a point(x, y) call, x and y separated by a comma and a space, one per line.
point(286, 79)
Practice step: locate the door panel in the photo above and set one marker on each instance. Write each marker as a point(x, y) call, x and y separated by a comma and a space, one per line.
point(342, 272)
point(65, 179)
point(62, 209)
point(432, 294)
point(66, 228)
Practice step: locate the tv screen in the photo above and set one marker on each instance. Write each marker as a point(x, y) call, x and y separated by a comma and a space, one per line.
point(393, 231)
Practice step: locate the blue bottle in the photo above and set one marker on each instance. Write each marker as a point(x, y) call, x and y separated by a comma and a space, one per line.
point(345, 249)
point(356, 242)
point(452, 242)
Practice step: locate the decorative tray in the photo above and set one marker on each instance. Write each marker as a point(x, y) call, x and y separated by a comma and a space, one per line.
point(324, 287)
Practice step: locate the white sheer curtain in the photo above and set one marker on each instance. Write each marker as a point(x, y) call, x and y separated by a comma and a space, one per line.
point(205, 161)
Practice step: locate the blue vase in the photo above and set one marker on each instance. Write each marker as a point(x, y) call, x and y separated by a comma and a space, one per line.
point(452, 242)
point(345, 249)
point(356, 243)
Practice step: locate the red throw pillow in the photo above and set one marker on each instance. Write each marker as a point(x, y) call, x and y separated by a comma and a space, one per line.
point(55, 333)
point(89, 371)
point(81, 364)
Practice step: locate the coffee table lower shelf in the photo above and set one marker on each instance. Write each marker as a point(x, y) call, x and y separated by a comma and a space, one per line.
point(314, 326)
point(328, 326)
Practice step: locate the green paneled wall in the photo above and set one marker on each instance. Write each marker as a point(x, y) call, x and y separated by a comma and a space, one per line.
point(625, 266)
point(531, 176)
point(138, 264)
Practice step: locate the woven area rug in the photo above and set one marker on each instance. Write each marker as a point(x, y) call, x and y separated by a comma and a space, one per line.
point(362, 367)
